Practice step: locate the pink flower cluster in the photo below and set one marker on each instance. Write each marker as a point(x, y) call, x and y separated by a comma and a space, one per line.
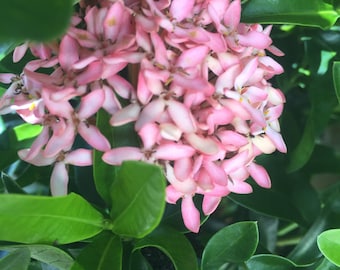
point(202, 104)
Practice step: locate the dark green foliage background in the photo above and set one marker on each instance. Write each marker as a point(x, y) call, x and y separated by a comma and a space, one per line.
point(293, 225)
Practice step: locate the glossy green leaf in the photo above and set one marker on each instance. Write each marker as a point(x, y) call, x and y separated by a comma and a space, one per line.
point(307, 251)
point(235, 243)
point(329, 245)
point(269, 262)
point(105, 252)
point(268, 230)
point(18, 260)
point(27, 131)
point(336, 78)
point(50, 255)
point(322, 106)
point(326, 265)
point(270, 202)
point(103, 173)
point(42, 219)
point(138, 262)
point(314, 13)
point(138, 199)
point(34, 20)
point(174, 244)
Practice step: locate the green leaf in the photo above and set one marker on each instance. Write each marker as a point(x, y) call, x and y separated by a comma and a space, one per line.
point(322, 106)
point(336, 78)
point(47, 254)
point(42, 219)
point(38, 20)
point(269, 262)
point(329, 245)
point(174, 244)
point(103, 173)
point(10, 185)
point(235, 243)
point(18, 260)
point(27, 131)
point(138, 199)
point(138, 262)
point(105, 252)
point(270, 202)
point(326, 265)
point(314, 13)
point(5, 49)
point(307, 251)
point(11, 156)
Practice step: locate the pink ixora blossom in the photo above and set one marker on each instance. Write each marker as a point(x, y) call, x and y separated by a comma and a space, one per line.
point(197, 93)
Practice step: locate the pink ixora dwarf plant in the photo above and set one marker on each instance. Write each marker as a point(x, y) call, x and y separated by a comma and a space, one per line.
point(202, 103)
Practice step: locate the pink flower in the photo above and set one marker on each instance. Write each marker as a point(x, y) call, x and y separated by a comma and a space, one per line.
point(59, 177)
point(197, 93)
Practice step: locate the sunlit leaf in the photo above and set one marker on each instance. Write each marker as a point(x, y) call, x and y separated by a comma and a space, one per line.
point(6, 48)
point(326, 265)
point(314, 13)
point(27, 131)
point(235, 243)
point(18, 260)
point(42, 219)
point(174, 244)
point(50, 255)
point(138, 199)
point(329, 245)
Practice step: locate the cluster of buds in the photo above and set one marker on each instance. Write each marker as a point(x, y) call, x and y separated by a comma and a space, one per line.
point(201, 101)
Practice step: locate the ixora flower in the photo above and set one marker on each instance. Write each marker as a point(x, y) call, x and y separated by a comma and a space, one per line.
point(199, 95)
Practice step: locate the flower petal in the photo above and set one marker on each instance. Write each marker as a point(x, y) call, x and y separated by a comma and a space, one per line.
point(150, 113)
point(210, 204)
point(217, 174)
point(68, 52)
point(117, 155)
point(245, 74)
point(183, 168)
point(59, 179)
point(206, 145)
point(180, 9)
point(93, 137)
point(91, 103)
point(126, 115)
point(149, 134)
point(259, 174)
point(190, 214)
point(232, 164)
point(170, 131)
point(182, 116)
point(60, 142)
point(172, 195)
point(92, 73)
point(173, 151)
point(79, 157)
